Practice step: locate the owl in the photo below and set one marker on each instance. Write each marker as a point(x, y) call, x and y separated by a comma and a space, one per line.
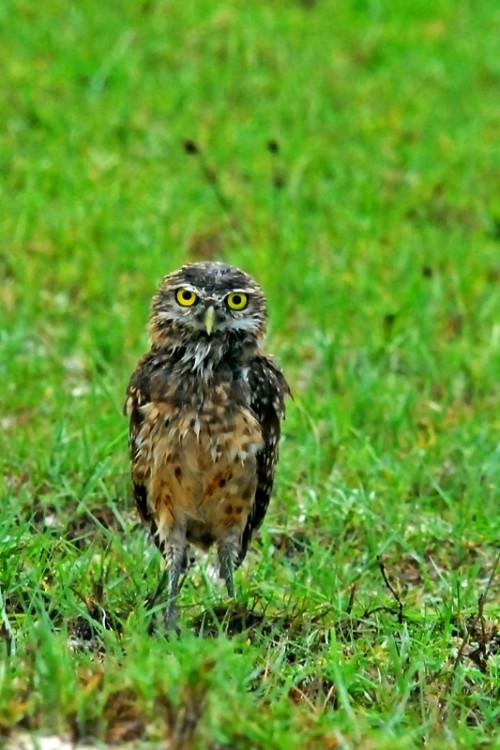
point(205, 406)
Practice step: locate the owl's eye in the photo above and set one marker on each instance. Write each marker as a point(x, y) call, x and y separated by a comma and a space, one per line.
point(237, 301)
point(185, 297)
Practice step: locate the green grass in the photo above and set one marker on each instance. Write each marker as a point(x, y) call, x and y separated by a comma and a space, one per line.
point(349, 160)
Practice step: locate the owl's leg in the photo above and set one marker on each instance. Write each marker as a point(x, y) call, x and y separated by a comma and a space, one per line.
point(227, 551)
point(175, 555)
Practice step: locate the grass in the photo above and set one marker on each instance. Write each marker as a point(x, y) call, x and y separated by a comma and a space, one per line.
point(347, 157)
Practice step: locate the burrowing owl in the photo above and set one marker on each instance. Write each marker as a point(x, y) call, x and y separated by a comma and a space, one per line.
point(205, 406)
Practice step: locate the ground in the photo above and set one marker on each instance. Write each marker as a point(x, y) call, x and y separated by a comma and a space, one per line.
point(346, 154)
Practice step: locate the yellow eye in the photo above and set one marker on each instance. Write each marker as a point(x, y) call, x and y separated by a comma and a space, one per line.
point(237, 300)
point(185, 297)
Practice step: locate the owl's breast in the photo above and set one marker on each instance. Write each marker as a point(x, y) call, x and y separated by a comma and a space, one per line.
point(201, 453)
point(201, 437)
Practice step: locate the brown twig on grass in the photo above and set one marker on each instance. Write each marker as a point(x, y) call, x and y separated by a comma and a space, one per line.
point(212, 178)
point(391, 589)
point(479, 616)
point(352, 597)
point(209, 173)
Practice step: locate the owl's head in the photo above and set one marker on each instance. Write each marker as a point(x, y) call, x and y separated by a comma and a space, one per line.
point(208, 301)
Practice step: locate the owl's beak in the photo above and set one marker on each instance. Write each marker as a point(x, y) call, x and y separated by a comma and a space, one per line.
point(209, 319)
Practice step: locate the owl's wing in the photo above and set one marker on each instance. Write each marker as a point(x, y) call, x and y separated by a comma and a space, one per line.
point(269, 389)
point(140, 392)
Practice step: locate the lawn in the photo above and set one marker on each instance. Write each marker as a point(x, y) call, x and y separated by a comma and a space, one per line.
point(346, 154)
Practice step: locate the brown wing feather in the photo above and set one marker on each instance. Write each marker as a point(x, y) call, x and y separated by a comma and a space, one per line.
point(268, 388)
point(138, 394)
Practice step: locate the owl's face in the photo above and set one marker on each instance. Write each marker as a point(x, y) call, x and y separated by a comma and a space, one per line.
point(208, 300)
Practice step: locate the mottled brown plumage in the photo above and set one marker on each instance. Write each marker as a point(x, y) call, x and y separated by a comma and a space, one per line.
point(205, 406)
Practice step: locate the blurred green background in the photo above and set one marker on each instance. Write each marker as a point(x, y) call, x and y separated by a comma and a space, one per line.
point(346, 155)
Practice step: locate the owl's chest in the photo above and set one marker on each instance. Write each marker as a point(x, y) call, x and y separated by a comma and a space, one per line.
point(200, 433)
point(206, 436)
point(201, 450)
